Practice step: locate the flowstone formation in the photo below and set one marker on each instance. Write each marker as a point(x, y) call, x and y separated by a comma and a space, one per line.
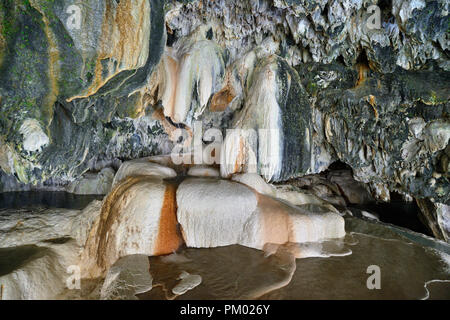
point(85, 85)
point(149, 213)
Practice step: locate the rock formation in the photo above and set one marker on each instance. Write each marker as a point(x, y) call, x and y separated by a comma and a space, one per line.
point(219, 213)
point(306, 82)
point(216, 123)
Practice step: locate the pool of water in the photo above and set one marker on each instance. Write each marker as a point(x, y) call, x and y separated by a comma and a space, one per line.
point(414, 267)
point(49, 199)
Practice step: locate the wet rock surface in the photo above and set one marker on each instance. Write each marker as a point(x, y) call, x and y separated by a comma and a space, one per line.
point(94, 96)
point(109, 243)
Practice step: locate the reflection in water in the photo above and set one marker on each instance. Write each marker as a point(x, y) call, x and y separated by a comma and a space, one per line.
point(338, 270)
point(22, 199)
point(412, 266)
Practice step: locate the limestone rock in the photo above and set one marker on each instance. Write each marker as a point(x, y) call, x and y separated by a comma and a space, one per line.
point(35, 272)
point(263, 140)
point(93, 183)
point(203, 171)
point(436, 217)
point(126, 278)
point(353, 191)
point(380, 125)
point(143, 167)
point(219, 213)
point(137, 217)
point(92, 55)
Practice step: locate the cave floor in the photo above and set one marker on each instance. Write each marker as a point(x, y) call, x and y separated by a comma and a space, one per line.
point(413, 267)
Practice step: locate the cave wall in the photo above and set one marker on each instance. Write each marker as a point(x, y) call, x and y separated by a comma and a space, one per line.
point(78, 99)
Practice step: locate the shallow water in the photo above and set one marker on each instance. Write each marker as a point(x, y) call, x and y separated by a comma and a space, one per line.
point(412, 266)
point(49, 199)
point(408, 270)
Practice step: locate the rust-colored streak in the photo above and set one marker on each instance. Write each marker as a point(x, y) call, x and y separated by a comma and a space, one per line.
point(53, 65)
point(240, 157)
point(372, 100)
point(276, 223)
point(101, 235)
point(222, 99)
point(169, 239)
point(170, 129)
point(121, 42)
point(363, 71)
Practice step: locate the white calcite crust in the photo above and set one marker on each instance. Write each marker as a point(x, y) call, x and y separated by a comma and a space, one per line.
point(34, 138)
point(254, 181)
point(203, 171)
point(218, 213)
point(145, 167)
point(137, 217)
point(41, 273)
point(213, 212)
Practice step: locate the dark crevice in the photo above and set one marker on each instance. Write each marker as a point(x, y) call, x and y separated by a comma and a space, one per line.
point(397, 212)
point(339, 165)
point(171, 37)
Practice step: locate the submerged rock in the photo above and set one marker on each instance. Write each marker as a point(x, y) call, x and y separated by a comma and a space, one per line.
point(187, 282)
point(126, 278)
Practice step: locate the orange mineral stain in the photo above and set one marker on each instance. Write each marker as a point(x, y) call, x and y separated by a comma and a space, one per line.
point(276, 223)
point(222, 99)
point(169, 239)
point(363, 71)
